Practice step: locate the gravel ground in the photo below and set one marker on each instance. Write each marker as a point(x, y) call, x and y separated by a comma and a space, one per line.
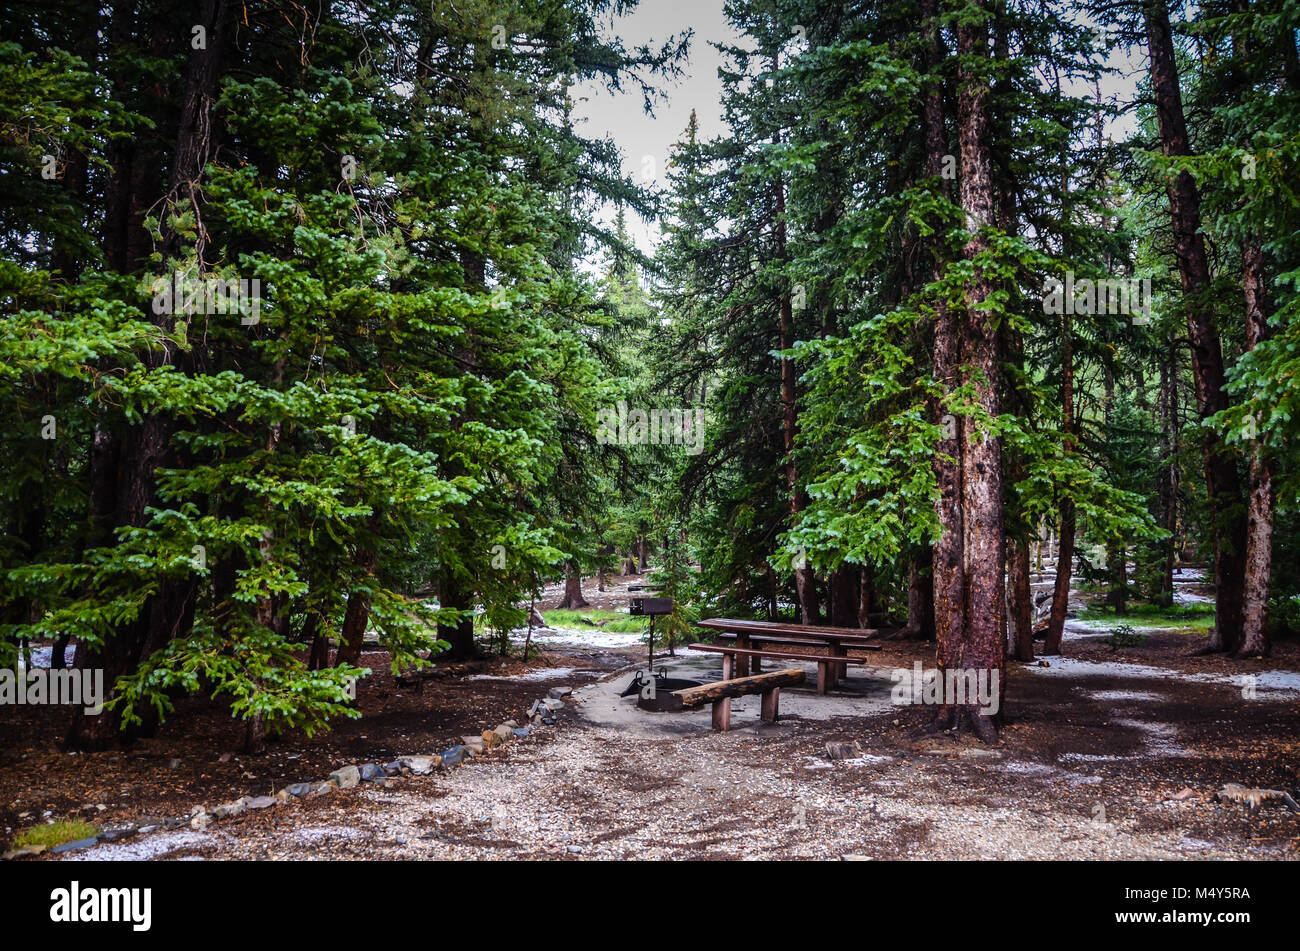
point(663, 786)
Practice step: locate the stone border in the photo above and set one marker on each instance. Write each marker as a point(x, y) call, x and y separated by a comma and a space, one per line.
point(542, 712)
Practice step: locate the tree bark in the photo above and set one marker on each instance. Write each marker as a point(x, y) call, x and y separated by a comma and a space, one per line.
point(1022, 604)
point(949, 574)
point(573, 598)
point(984, 645)
point(1222, 482)
point(1260, 503)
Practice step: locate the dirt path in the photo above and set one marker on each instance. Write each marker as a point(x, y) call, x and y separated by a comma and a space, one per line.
point(1101, 759)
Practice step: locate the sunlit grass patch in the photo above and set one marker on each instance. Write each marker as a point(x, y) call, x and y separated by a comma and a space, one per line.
point(604, 619)
point(1188, 617)
point(54, 833)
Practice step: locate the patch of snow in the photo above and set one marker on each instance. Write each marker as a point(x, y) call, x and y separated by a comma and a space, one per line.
point(1280, 681)
point(1124, 695)
point(1090, 758)
point(143, 848)
point(541, 673)
point(867, 759)
point(592, 637)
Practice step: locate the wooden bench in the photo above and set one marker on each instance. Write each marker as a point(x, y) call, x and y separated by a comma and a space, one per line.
point(827, 664)
point(756, 662)
point(720, 694)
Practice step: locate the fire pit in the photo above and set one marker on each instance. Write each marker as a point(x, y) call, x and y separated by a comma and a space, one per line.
point(656, 699)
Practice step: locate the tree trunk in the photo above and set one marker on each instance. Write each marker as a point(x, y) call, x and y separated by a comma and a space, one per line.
point(1260, 503)
point(1222, 482)
point(920, 597)
point(843, 596)
point(315, 633)
point(984, 646)
point(573, 599)
point(460, 635)
point(949, 573)
point(1022, 604)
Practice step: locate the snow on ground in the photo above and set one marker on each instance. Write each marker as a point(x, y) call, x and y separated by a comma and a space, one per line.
point(570, 637)
point(1281, 681)
point(146, 847)
point(541, 673)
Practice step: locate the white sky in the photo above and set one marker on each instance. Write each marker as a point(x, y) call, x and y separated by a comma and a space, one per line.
point(645, 140)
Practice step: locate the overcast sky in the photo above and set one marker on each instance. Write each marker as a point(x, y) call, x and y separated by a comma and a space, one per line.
point(645, 140)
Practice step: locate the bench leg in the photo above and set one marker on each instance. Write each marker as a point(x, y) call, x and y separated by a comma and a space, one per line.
point(722, 715)
point(771, 701)
point(823, 678)
point(727, 665)
point(757, 664)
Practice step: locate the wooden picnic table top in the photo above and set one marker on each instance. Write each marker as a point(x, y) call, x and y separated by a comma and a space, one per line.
point(810, 632)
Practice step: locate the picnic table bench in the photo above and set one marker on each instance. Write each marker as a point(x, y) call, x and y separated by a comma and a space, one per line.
point(748, 637)
point(720, 694)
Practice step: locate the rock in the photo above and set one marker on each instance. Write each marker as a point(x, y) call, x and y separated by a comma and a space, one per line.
point(299, 789)
point(523, 731)
point(321, 788)
point(453, 757)
point(576, 849)
point(512, 724)
point(283, 796)
point(420, 765)
point(116, 833)
point(536, 709)
point(260, 802)
point(152, 827)
point(490, 739)
point(474, 745)
point(559, 693)
point(549, 721)
point(837, 751)
point(394, 768)
point(505, 732)
point(552, 704)
point(371, 773)
point(229, 810)
point(22, 853)
point(1184, 793)
point(177, 822)
point(345, 778)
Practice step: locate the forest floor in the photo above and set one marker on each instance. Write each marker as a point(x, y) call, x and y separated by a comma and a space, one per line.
point(1106, 753)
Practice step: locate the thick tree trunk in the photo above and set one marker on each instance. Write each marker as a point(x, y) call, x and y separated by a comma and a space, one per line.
point(984, 646)
point(1260, 503)
point(1222, 482)
point(573, 599)
point(949, 574)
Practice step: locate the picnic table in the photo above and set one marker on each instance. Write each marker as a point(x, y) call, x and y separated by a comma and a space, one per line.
point(747, 639)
